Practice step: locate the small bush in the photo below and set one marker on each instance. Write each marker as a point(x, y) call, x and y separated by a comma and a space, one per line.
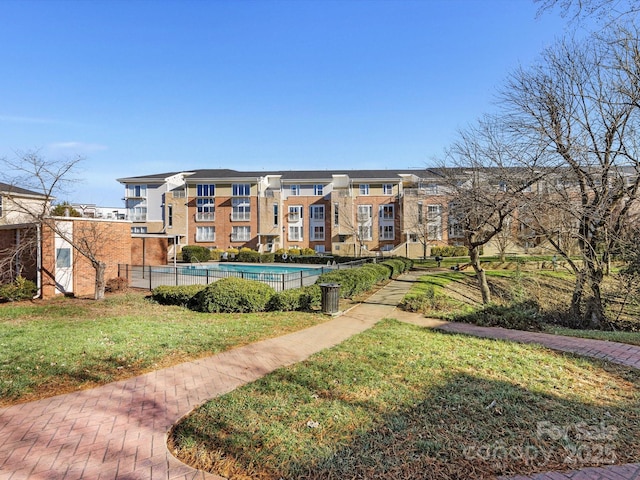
point(267, 258)
point(215, 254)
point(117, 284)
point(518, 316)
point(307, 251)
point(248, 256)
point(182, 295)
point(449, 251)
point(195, 253)
point(19, 289)
point(234, 295)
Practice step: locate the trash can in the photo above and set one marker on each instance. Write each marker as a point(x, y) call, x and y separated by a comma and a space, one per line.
point(330, 297)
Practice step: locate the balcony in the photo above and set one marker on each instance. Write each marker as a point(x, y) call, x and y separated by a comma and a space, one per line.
point(205, 217)
point(240, 217)
point(137, 218)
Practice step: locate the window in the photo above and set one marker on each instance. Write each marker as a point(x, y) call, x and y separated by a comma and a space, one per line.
point(386, 232)
point(434, 219)
point(241, 234)
point(429, 188)
point(364, 213)
point(205, 190)
point(387, 189)
point(364, 189)
point(455, 229)
point(205, 209)
point(317, 233)
point(63, 257)
point(241, 189)
point(364, 232)
point(295, 190)
point(138, 214)
point(241, 210)
point(318, 189)
point(420, 214)
point(336, 214)
point(138, 229)
point(319, 248)
point(205, 234)
point(276, 216)
point(316, 212)
point(295, 233)
point(295, 214)
point(137, 191)
point(386, 212)
point(170, 216)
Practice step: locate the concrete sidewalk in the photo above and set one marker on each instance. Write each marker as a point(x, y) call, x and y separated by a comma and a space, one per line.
point(118, 431)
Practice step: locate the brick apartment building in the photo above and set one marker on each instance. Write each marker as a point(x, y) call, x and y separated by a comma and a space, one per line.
point(350, 212)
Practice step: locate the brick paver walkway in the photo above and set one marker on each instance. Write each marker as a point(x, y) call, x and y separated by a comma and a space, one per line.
point(119, 431)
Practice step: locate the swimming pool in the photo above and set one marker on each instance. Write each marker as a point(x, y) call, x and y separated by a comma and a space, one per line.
point(251, 268)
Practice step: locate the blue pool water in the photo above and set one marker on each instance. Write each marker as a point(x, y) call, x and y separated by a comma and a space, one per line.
point(248, 268)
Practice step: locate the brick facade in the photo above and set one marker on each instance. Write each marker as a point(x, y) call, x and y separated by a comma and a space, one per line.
point(109, 240)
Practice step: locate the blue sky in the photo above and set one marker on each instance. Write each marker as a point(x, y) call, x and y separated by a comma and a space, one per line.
point(142, 86)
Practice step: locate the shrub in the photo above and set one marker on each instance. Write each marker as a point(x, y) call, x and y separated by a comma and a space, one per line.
point(519, 316)
point(267, 258)
point(311, 297)
point(308, 251)
point(304, 298)
point(215, 254)
point(234, 295)
point(195, 253)
point(354, 280)
point(116, 284)
point(449, 251)
point(19, 289)
point(182, 295)
point(249, 256)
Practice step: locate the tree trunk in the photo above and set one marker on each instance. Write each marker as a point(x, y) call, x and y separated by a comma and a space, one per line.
point(474, 256)
point(100, 268)
point(575, 310)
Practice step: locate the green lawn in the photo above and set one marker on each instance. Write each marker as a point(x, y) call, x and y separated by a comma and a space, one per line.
point(399, 401)
point(67, 344)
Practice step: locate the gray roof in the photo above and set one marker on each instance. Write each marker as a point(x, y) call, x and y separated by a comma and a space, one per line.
point(286, 175)
point(12, 189)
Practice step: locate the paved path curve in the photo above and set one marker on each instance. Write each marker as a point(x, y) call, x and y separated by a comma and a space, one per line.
point(118, 431)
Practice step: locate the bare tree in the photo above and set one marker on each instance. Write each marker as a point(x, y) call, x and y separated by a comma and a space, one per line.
point(487, 175)
point(600, 9)
point(50, 178)
point(423, 218)
point(581, 102)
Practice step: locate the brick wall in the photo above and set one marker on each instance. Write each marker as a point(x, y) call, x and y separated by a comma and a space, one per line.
point(149, 251)
point(111, 242)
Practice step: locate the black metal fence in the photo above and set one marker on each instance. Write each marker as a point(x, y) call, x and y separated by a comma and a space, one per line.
point(148, 277)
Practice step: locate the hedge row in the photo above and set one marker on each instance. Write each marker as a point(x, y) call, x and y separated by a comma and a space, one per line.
point(236, 295)
point(449, 251)
point(355, 281)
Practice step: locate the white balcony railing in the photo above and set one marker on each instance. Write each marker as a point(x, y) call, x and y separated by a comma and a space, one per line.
point(205, 216)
